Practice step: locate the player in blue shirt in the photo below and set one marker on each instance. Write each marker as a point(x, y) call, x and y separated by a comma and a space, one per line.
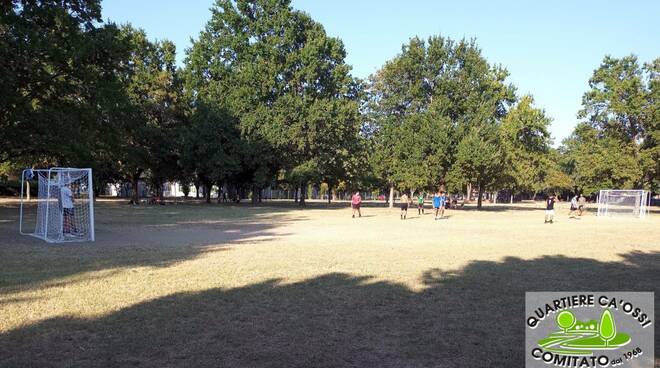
point(438, 202)
point(443, 203)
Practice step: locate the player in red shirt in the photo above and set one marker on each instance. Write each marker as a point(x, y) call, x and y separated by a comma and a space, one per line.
point(356, 201)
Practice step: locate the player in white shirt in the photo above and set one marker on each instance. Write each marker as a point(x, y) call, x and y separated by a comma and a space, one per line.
point(66, 197)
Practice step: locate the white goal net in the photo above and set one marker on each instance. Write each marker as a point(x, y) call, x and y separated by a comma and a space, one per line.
point(64, 207)
point(630, 203)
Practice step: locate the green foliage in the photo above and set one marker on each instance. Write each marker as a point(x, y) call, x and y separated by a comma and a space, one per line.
point(596, 162)
point(58, 82)
point(525, 142)
point(267, 96)
point(424, 102)
point(210, 145)
point(617, 145)
point(478, 161)
point(154, 109)
point(286, 82)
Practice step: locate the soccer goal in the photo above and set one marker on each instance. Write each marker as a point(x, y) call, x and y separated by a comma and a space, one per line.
point(631, 203)
point(64, 207)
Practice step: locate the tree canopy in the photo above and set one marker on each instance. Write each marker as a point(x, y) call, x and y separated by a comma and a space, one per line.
point(265, 97)
point(616, 145)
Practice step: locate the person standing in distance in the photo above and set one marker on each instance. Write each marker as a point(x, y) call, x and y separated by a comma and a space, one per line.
point(574, 206)
point(436, 204)
point(405, 201)
point(582, 203)
point(356, 201)
point(66, 197)
point(420, 203)
point(443, 203)
point(550, 208)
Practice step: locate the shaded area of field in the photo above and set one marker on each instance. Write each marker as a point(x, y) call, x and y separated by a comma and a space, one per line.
point(273, 286)
point(328, 321)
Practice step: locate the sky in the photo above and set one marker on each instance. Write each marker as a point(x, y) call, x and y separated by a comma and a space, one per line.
point(549, 48)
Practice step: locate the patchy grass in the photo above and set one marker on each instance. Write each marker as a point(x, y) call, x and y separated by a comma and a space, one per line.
point(274, 286)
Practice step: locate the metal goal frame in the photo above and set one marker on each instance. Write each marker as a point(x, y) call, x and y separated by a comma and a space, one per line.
point(637, 206)
point(90, 233)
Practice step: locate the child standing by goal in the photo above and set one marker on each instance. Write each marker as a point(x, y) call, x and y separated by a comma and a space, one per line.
point(66, 198)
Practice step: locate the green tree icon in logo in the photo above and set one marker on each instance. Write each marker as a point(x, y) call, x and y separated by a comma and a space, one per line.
point(584, 337)
point(607, 327)
point(565, 320)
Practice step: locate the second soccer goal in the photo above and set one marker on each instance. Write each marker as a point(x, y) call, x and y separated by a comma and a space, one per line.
point(630, 203)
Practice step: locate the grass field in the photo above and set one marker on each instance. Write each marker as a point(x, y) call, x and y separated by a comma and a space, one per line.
point(272, 286)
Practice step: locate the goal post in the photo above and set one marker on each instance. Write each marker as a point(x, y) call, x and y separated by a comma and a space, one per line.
point(64, 206)
point(626, 203)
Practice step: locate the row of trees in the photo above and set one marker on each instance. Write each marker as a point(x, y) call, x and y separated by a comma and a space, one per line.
point(266, 97)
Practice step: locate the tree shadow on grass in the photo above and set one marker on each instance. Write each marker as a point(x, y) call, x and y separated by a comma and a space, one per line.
point(126, 236)
point(473, 317)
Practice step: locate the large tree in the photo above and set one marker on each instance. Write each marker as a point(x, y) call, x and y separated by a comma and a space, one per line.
point(155, 109)
point(526, 145)
point(595, 162)
point(60, 101)
point(210, 146)
point(283, 78)
point(425, 102)
point(617, 145)
point(479, 161)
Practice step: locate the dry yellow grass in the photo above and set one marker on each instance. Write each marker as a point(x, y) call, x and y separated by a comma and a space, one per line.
point(198, 285)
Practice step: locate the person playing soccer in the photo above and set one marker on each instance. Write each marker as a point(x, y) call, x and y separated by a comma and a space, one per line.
point(550, 208)
point(420, 203)
point(356, 201)
point(582, 203)
point(404, 206)
point(574, 207)
point(436, 204)
point(443, 204)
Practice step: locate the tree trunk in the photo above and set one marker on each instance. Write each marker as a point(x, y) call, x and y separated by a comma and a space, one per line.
point(511, 197)
point(329, 194)
point(207, 192)
point(391, 199)
point(469, 192)
point(254, 194)
point(295, 194)
point(303, 194)
point(196, 191)
point(481, 192)
point(219, 199)
point(135, 195)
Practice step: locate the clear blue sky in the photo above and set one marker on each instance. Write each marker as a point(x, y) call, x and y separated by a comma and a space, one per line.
point(549, 48)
